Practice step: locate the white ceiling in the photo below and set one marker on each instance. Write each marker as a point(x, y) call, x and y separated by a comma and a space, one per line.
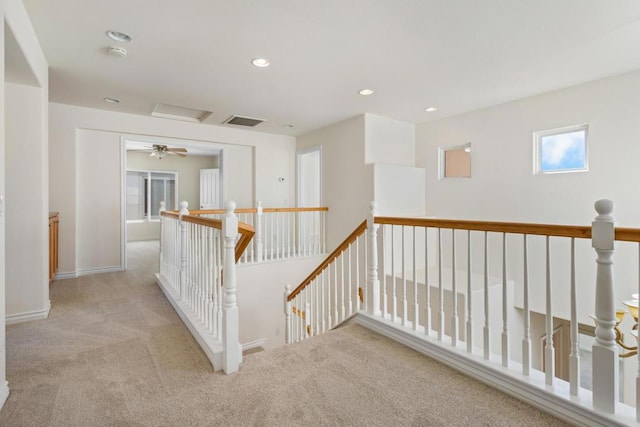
point(457, 55)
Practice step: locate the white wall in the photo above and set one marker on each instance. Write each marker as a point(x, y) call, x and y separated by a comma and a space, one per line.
point(347, 183)
point(389, 141)
point(33, 62)
point(399, 190)
point(27, 270)
point(503, 186)
point(254, 161)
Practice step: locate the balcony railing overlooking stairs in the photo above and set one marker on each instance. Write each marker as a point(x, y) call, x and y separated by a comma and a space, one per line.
point(457, 290)
point(199, 251)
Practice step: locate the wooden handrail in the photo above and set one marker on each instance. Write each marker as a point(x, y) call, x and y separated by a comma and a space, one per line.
point(255, 210)
point(341, 248)
point(246, 231)
point(577, 231)
point(627, 234)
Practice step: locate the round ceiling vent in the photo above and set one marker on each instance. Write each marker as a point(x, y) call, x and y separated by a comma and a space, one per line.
point(117, 51)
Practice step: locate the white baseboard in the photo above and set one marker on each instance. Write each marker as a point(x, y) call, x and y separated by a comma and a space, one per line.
point(4, 393)
point(87, 272)
point(261, 343)
point(98, 270)
point(532, 389)
point(28, 316)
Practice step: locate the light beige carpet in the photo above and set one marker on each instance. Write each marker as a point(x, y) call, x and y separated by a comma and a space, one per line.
point(114, 353)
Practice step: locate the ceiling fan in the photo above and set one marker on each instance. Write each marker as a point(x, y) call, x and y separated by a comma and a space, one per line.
point(159, 151)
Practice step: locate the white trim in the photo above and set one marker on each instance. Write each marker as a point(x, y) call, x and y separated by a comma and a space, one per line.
point(553, 399)
point(261, 343)
point(211, 347)
point(98, 270)
point(4, 393)
point(65, 275)
point(27, 316)
point(442, 160)
point(123, 202)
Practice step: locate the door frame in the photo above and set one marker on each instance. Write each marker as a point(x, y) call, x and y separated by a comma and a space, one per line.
point(213, 147)
point(299, 154)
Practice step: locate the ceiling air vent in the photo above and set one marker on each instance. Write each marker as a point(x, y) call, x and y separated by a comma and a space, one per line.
point(243, 121)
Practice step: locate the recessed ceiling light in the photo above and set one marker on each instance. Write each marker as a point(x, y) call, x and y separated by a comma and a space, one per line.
point(287, 125)
point(366, 92)
point(111, 100)
point(260, 62)
point(118, 36)
point(431, 109)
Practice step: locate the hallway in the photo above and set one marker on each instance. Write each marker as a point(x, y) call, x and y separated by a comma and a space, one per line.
point(113, 352)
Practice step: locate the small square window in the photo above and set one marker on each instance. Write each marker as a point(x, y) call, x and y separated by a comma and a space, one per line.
point(455, 162)
point(561, 150)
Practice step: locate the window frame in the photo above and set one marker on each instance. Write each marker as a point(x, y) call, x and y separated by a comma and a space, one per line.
point(442, 160)
point(147, 193)
point(537, 149)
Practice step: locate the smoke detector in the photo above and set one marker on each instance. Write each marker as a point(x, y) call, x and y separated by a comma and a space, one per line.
point(117, 51)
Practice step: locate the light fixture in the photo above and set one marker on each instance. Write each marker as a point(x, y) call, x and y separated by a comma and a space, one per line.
point(260, 62)
point(287, 126)
point(632, 308)
point(119, 36)
point(111, 100)
point(366, 92)
point(431, 109)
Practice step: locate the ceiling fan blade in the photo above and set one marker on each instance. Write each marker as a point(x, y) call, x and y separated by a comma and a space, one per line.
point(176, 154)
point(177, 150)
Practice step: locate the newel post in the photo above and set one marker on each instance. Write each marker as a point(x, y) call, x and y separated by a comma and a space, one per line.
point(373, 283)
point(605, 351)
point(163, 208)
point(258, 236)
point(232, 353)
point(287, 314)
point(183, 250)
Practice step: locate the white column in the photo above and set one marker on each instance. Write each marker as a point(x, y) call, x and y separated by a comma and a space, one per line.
point(258, 235)
point(605, 350)
point(183, 250)
point(232, 353)
point(287, 314)
point(373, 283)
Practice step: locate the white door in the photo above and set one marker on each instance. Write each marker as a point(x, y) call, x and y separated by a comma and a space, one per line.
point(209, 188)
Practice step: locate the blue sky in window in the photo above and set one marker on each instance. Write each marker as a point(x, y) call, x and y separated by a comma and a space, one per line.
point(563, 151)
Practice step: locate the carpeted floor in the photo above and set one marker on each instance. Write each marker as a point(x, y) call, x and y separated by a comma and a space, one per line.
point(114, 353)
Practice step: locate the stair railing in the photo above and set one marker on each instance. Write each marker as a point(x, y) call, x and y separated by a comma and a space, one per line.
point(197, 274)
point(455, 281)
point(280, 233)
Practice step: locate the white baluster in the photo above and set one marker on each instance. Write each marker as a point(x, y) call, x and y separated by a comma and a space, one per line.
point(427, 288)
point(469, 323)
point(259, 238)
point(403, 259)
point(335, 293)
point(394, 299)
point(163, 208)
point(342, 311)
point(605, 350)
point(287, 314)
point(416, 307)
point(505, 318)
point(358, 273)
point(232, 353)
point(373, 283)
point(486, 337)
point(307, 320)
point(526, 339)
point(638, 374)
point(454, 291)
point(549, 354)
point(322, 286)
point(385, 304)
point(574, 358)
point(351, 286)
point(440, 289)
point(183, 250)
